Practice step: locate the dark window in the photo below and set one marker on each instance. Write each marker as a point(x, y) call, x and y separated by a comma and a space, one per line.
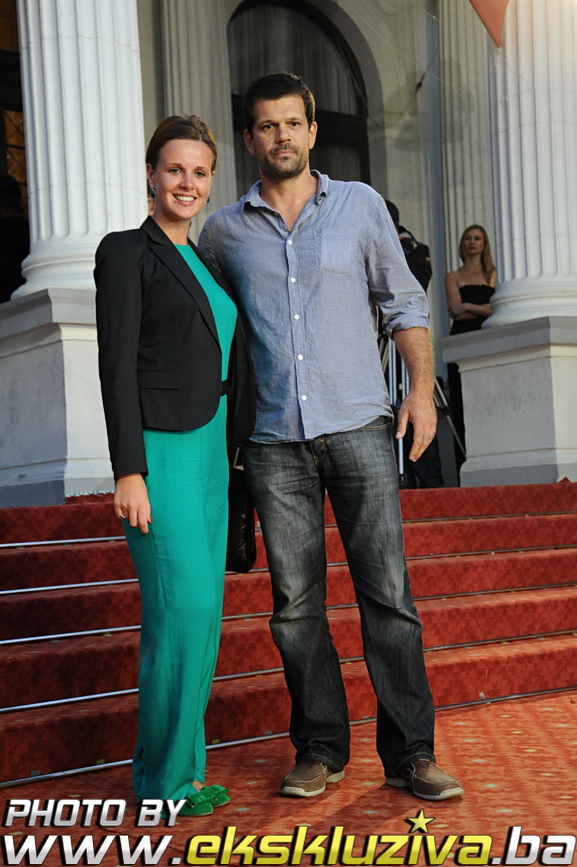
point(12, 152)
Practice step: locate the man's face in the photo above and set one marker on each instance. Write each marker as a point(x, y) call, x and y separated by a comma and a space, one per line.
point(281, 138)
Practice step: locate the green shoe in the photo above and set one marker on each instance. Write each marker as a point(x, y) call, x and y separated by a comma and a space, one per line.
point(218, 795)
point(197, 803)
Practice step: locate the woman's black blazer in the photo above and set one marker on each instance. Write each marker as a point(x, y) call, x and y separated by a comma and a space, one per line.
point(159, 354)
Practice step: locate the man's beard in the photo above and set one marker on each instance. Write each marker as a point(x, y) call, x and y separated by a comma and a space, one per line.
point(288, 168)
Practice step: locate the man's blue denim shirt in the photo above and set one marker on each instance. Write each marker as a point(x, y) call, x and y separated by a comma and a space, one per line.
point(309, 296)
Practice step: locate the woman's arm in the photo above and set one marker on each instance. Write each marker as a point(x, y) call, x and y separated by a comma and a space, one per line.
point(457, 309)
point(482, 310)
point(118, 315)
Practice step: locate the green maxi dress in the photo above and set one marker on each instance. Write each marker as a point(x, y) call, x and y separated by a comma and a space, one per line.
point(180, 564)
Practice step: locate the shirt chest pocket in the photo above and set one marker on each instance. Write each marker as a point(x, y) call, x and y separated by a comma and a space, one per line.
point(336, 252)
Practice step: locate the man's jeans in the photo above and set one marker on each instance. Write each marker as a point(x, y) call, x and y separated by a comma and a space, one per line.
point(359, 472)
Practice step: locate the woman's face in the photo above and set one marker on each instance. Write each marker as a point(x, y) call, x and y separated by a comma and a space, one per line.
point(181, 180)
point(473, 242)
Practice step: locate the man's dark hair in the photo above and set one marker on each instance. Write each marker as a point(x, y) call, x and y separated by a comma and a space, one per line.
point(394, 212)
point(275, 86)
point(416, 253)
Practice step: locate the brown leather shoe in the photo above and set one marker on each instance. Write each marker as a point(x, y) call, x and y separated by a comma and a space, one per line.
point(427, 780)
point(309, 778)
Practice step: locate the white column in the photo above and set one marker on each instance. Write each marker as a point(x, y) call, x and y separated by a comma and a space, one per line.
point(86, 175)
point(197, 81)
point(84, 133)
point(534, 117)
point(519, 371)
point(467, 169)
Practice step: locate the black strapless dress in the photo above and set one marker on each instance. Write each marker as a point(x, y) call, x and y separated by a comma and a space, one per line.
point(471, 294)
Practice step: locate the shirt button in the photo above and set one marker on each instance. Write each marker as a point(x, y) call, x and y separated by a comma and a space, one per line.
point(290, 242)
point(300, 357)
point(304, 397)
point(297, 316)
point(293, 279)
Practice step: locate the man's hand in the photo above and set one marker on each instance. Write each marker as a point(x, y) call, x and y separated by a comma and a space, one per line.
point(131, 501)
point(414, 345)
point(420, 410)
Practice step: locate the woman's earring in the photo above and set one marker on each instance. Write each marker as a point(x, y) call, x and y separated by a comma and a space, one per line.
point(152, 192)
point(207, 199)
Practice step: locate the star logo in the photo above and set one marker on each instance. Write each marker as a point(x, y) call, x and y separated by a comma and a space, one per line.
point(419, 822)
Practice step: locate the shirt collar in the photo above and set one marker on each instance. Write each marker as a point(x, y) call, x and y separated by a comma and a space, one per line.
point(253, 196)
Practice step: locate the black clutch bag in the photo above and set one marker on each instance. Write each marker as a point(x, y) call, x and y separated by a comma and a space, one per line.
point(241, 544)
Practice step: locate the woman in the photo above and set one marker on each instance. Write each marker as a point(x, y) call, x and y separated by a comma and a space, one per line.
point(167, 328)
point(469, 290)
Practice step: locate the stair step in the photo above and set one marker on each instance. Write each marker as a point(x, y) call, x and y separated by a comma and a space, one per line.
point(84, 562)
point(489, 500)
point(89, 665)
point(77, 563)
point(77, 735)
point(77, 520)
point(486, 572)
point(67, 668)
point(64, 564)
point(489, 534)
point(54, 612)
point(70, 521)
point(57, 612)
point(86, 733)
point(247, 646)
point(464, 675)
point(457, 675)
point(498, 617)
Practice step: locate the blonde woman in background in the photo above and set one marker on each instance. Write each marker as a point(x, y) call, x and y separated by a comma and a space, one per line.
point(469, 291)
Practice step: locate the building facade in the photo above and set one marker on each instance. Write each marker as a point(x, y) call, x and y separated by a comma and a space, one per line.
point(413, 97)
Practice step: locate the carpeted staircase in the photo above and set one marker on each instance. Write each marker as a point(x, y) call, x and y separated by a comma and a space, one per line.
point(493, 570)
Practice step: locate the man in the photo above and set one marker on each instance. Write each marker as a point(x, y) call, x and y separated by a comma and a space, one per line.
point(428, 468)
point(310, 259)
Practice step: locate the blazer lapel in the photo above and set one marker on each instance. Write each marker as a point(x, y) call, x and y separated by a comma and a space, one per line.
point(175, 262)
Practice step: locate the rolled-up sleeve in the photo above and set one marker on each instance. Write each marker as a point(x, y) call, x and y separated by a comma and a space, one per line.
point(393, 288)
